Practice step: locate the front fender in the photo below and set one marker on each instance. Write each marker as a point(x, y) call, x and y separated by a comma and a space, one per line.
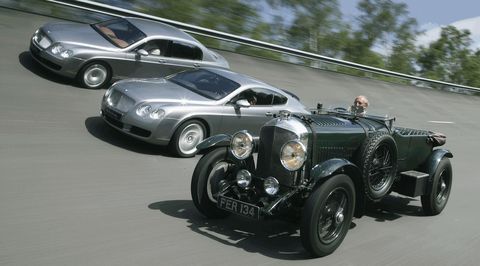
point(220, 140)
point(327, 168)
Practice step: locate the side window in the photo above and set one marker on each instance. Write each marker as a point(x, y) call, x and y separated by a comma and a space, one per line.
point(156, 47)
point(261, 97)
point(185, 51)
point(279, 99)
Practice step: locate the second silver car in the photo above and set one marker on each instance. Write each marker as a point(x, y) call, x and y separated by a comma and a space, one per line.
point(185, 108)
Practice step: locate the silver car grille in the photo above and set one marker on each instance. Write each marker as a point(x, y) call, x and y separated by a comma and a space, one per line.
point(120, 101)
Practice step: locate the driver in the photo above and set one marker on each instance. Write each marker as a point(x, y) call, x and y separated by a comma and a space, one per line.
point(360, 105)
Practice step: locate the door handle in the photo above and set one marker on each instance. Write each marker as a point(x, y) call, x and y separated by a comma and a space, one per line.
point(268, 114)
point(162, 61)
point(196, 65)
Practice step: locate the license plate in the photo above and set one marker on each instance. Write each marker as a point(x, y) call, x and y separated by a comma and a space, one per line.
point(239, 207)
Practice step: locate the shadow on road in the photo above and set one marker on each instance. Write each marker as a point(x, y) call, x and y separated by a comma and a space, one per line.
point(27, 61)
point(275, 239)
point(393, 207)
point(99, 129)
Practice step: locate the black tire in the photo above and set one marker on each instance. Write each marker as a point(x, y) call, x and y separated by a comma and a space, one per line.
point(187, 136)
point(440, 186)
point(94, 75)
point(205, 183)
point(327, 215)
point(378, 164)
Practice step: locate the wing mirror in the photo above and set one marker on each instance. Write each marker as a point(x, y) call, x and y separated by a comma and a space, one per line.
point(142, 52)
point(242, 103)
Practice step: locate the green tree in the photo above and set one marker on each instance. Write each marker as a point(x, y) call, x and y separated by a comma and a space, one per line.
point(316, 25)
point(238, 17)
point(382, 22)
point(450, 59)
point(404, 51)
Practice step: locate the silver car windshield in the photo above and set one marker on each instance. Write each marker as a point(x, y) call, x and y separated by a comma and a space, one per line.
point(120, 32)
point(205, 83)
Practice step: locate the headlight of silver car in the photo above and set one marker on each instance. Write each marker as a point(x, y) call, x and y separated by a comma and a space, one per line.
point(66, 53)
point(157, 114)
point(146, 109)
point(292, 155)
point(109, 91)
point(59, 49)
point(241, 145)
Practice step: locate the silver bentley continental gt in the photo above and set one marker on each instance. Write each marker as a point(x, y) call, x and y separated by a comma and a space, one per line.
point(116, 49)
point(184, 108)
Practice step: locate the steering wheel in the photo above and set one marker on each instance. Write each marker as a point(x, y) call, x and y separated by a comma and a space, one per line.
point(340, 109)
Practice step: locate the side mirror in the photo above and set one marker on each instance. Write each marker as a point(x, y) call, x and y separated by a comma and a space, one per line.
point(242, 103)
point(142, 52)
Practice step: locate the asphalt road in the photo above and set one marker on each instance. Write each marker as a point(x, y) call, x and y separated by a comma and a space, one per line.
point(75, 192)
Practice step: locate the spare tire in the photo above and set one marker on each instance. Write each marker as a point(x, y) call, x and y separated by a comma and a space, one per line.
point(378, 164)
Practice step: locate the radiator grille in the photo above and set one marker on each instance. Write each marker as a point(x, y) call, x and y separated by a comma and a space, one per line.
point(268, 162)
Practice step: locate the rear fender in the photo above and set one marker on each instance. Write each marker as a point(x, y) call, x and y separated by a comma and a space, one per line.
point(326, 169)
point(431, 164)
point(434, 159)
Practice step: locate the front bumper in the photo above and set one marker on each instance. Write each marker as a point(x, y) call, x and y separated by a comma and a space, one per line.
point(67, 67)
point(155, 132)
point(253, 202)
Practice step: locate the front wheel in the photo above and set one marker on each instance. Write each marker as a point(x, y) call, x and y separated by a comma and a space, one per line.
point(187, 137)
point(327, 215)
point(212, 168)
point(94, 75)
point(435, 201)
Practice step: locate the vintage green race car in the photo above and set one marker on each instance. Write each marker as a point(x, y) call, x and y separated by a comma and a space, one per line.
point(323, 168)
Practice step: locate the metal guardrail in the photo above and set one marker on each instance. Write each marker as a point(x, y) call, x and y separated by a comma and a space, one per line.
point(121, 12)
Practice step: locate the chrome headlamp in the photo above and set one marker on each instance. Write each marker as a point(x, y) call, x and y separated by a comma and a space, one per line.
point(293, 155)
point(58, 49)
point(147, 110)
point(244, 178)
point(271, 185)
point(109, 91)
point(241, 145)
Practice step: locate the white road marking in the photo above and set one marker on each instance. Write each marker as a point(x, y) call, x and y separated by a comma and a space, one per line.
point(441, 122)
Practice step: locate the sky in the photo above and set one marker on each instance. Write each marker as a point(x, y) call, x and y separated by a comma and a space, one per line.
point(431, 15)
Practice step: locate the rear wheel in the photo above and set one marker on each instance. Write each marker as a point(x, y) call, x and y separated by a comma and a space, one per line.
point(94, 75)
point(435, 201)
point(327, 215)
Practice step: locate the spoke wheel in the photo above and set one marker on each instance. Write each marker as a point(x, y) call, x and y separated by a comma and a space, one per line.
point(218, 173)
point(332, 217)
point(440, 186)
point(380, 170)
point(211, 170)
point(327, 215)
point(378, 161)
